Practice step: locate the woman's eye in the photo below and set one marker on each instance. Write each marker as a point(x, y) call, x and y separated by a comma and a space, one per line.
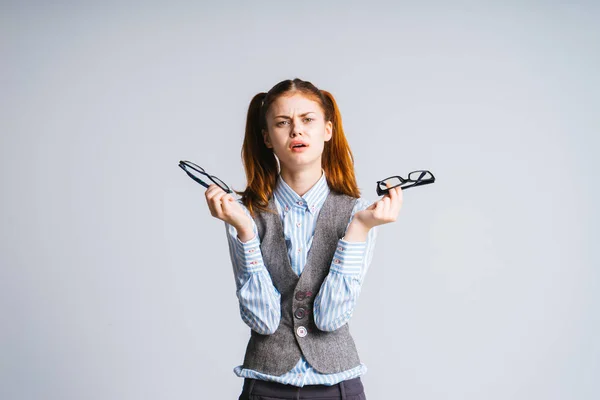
point(280, 123)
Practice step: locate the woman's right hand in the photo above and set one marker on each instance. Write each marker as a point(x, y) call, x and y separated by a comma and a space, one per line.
point(224, 207)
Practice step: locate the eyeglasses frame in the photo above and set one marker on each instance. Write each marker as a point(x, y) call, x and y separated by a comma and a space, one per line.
point(184, 163)
point(418, 182)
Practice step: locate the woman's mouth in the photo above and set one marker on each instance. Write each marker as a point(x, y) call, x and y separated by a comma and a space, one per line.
point(299, 148)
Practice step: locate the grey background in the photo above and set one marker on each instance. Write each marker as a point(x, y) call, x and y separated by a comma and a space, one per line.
point(115, 281)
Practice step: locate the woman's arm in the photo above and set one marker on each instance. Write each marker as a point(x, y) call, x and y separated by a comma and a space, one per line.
point(259, 299)
point(334, 304)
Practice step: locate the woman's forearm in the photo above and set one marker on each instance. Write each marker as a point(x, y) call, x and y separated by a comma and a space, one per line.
point(245, 233)
point(356, 232)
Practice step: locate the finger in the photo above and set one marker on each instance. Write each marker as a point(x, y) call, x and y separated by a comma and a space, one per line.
point(378, 207)
point(219, 199)
point(387, 185)
point(209, 194)
point(227, 200)
point(385, 209)
point(396, 202)
point(392, 192)
point(213, 198)
point(400, 194)
point(210, 191)
point(393, 200)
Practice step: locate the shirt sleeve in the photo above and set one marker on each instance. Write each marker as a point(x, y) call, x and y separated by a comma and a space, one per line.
point(334, 304)
point(259, 299)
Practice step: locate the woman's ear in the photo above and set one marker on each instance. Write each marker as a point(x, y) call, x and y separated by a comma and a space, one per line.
point(328, 130)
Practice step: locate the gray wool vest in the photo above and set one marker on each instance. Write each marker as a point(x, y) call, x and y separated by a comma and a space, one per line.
point(297, 334)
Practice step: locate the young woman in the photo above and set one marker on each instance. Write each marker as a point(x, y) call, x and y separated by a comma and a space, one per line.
point(300, 241)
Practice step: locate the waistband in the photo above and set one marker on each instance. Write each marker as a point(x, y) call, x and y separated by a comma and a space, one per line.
point(350, 387)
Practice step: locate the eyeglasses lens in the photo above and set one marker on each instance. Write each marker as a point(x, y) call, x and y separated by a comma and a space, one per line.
point(389, 183)
point(416, 176)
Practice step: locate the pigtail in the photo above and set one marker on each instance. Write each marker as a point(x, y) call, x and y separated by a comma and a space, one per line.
point(338, 160)
point(259, 161)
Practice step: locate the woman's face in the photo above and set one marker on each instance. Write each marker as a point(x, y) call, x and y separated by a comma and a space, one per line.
point(293, 118)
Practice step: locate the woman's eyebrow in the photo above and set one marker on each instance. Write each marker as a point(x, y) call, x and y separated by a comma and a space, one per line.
point(302, 115)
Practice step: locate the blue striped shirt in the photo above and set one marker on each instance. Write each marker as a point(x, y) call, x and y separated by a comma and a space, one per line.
point(259, 300)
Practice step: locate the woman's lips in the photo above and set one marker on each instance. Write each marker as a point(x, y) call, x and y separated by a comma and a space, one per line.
point(299, 149)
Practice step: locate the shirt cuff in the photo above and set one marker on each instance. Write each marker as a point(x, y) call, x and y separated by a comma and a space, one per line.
point(348, 257)
point(252, 260)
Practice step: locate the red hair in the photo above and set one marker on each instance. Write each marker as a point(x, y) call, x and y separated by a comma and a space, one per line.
point(260, 163)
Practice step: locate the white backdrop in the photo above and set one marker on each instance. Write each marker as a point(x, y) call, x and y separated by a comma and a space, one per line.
point(115, 281)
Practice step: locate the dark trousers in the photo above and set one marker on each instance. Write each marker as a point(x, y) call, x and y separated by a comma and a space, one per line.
point(257, 389)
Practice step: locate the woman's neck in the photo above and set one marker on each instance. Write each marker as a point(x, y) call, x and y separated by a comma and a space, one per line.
point(302, 180)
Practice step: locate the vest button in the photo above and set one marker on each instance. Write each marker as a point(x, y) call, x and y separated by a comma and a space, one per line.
point(300, 296)
point(300, 312)
point(301, 331)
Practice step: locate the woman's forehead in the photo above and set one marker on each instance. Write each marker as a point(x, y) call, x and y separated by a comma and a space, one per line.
point(296, 103)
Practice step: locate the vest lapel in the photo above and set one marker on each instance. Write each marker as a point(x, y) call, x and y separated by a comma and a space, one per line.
point(279, 260)
point(323, 244)
point(274, 249)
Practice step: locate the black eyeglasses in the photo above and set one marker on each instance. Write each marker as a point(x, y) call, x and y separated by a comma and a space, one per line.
point(195, 171)
point(415, 178)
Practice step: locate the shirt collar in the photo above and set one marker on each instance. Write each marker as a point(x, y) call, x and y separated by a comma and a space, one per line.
point(311, 201)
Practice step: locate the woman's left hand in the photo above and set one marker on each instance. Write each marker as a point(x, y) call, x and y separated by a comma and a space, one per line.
point(383, 211)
